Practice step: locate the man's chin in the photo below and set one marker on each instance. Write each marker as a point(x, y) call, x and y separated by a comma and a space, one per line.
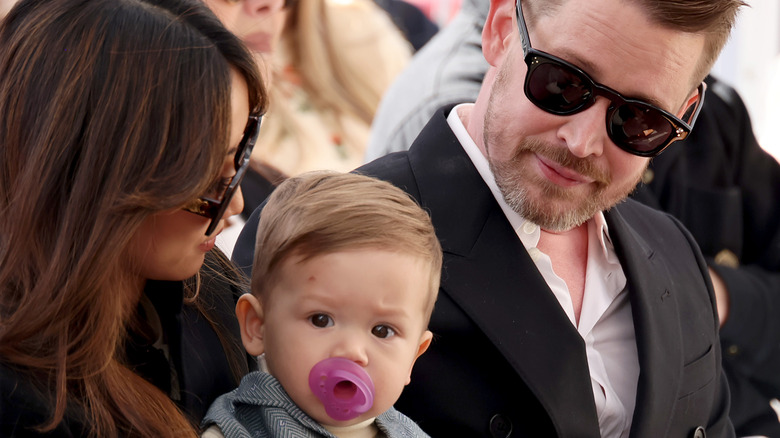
point(550, 212)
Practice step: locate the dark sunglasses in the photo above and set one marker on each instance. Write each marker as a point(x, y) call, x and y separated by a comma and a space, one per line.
point(214, 207)
point(563, 89)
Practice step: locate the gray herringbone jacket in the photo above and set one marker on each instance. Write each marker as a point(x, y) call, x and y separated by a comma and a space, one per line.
point(260, 407)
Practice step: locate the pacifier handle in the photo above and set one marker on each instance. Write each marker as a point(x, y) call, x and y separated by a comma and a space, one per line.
point(343, 387)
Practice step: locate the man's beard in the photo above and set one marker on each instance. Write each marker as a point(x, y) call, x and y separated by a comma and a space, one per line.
point(535, 198)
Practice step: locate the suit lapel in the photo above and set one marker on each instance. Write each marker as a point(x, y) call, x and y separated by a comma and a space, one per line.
point(656, 325)
point(489, 274)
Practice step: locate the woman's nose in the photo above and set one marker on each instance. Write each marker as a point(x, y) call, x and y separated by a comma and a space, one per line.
point(236, 204)
point(258, 7)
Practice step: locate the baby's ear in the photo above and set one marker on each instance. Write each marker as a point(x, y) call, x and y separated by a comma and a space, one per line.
point(250, 317)
point(425, 342)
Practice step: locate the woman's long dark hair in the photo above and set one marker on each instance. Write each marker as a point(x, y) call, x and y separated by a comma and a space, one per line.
point(112, 110)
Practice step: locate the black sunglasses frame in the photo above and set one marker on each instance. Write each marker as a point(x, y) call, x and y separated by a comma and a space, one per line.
point(680, 129)
point(215, 209)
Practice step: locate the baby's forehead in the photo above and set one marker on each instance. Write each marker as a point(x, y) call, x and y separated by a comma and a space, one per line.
point(299, 262)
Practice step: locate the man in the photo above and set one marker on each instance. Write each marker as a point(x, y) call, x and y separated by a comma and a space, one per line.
point(558, 314)
point(719, 183)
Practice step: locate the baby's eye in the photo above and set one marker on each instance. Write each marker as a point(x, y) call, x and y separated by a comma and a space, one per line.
point(321, 320)
point(382, 331)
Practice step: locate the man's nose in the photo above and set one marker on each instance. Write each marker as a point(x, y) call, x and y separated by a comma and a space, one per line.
point(585, 133)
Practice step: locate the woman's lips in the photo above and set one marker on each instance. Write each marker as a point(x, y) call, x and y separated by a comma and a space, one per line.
point(560, 175)
point(209, 244)
point(258, 42)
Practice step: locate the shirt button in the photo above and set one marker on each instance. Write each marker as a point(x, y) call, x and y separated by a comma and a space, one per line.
point(732, 350)
point(535, 253)
point(648, 176)
point(500, 426)
point(727, 258)
point(699, 433)
point(529, 227)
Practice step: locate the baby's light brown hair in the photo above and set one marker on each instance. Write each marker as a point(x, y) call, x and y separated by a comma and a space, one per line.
point(322, 212)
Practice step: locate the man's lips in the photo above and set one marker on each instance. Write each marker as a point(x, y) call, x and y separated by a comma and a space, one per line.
point(561, 175)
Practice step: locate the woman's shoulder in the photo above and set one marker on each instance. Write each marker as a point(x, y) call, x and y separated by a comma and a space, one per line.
point(23, 407)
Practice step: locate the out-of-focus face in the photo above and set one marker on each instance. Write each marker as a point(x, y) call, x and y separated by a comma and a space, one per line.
point(367, 306)
point(172, 245)
point(558, 171)
point(5, 6)
point(258, 23)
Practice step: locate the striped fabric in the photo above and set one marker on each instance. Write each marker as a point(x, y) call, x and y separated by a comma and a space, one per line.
point(260, 408)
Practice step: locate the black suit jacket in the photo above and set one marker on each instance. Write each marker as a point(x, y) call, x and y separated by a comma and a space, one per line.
point(506, 356)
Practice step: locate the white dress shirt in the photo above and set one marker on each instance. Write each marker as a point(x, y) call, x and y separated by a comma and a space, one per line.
point(606, 323)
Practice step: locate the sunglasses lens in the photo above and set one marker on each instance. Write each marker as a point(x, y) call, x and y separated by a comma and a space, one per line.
point(556, 88)
point(639, 128)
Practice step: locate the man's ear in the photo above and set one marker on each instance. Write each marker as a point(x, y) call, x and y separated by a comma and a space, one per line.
point(249, 312)
point(497, 34)
point(425, 342)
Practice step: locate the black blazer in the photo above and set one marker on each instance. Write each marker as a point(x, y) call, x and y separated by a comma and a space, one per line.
point(506, 358)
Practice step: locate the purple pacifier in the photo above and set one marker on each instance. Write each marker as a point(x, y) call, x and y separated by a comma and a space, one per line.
point(343, 387)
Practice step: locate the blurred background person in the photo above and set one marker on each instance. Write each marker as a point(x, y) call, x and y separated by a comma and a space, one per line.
point(258, 23)
point(5, 6)
point(335, 60)
point(411, 21)
point(330, 62)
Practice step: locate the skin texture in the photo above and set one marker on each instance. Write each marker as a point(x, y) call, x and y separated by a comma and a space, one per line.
point(363, 305)
point(172, 245)
point(558, 171)
point(5, 6)
point(258, 23)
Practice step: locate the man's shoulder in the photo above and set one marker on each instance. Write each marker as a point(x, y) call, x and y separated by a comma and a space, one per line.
point(637, 213)
point(386, 164)
point(394, 168)
point(660, 230)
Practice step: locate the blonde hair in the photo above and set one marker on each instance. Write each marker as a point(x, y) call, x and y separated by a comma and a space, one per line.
point(323, 212)
point(343, 70)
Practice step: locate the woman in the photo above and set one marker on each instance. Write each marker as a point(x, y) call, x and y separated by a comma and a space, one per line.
point(331, 61)
point(335, 60)
point(126, 128)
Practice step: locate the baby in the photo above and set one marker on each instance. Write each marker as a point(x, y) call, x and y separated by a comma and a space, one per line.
point(345, 276)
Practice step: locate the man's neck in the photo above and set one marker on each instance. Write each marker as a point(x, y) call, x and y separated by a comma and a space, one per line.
point(568, 252)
